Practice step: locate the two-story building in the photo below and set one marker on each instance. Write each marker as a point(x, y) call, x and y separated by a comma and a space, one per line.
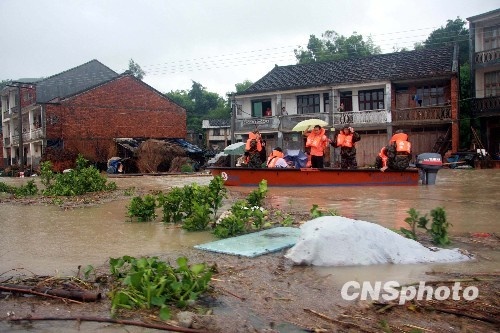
point(484, 37)
point(83, 110)
point(417, 91)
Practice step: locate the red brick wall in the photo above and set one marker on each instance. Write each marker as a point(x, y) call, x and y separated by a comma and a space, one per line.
point(123, 108)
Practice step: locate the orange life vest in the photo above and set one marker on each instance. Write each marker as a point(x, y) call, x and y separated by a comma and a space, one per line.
point(273, 158)
point(402, 143)
point(253, 136)
point(345, 140)
point(317, 142)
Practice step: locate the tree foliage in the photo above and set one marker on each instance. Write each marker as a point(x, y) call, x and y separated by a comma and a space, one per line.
point(135, 69)
point(242, 86)
point(455, 31)
point(200, 104)
point(332, 46)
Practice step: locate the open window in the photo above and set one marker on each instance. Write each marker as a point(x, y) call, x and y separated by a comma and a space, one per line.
point(258, 107)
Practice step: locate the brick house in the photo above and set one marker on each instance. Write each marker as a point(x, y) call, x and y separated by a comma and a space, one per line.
point(83, 110)
point(416, 91)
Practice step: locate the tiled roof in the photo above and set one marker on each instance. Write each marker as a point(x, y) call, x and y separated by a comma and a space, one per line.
point(425, 63)
point(72, 81)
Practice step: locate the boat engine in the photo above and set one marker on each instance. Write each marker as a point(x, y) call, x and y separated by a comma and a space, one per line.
point(429, 165)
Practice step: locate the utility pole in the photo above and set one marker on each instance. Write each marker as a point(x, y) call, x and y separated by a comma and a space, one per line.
point(233, 125)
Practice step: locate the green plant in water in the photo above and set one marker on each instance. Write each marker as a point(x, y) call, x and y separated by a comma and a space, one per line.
point(142, 208)
point(316, 212)
point(256, 197)
point(129, 191)
point(81, 180)
point(149, 282)
point(414, 221)
point(438, 230)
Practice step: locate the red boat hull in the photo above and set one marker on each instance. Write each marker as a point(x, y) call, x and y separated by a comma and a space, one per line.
point(316, 177)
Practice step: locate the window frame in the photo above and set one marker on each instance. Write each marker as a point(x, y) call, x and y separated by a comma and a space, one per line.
point(365, 98)
point(492, 84)
point(308, 104)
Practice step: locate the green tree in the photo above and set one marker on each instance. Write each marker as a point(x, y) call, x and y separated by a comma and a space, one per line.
point(332, 46)
point(200, 104)
point(242, 86)
point(135, 69)
point(455, 31)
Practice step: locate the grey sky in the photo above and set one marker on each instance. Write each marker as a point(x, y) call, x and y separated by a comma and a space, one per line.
point(216, 43)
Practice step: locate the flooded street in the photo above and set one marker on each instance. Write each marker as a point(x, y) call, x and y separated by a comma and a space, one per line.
point(47, 239)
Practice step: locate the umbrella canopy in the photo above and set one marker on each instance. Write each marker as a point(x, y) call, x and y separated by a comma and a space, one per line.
point(304, 125)
point(237, 148)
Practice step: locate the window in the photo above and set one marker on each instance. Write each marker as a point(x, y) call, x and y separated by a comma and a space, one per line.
point(326, 102)
point(492, 84)
point(308, 104)
point(258, 107)
point(491, 37)
point(346, 100)
point(216, 131)
point(371, 99)
point(431, 95)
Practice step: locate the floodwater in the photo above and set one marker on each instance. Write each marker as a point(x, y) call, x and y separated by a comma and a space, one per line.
point(46, 239)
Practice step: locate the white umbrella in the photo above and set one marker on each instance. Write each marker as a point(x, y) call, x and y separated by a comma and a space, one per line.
point(237, 148)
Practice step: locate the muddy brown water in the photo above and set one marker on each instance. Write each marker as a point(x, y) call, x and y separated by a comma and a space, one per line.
point(46, 239)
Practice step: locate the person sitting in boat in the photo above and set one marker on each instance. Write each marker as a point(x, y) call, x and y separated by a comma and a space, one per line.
point(254, 147)
point(243, 160)
point(317, 143)
point(277, 159)
point(346, 139)
point(396, 155)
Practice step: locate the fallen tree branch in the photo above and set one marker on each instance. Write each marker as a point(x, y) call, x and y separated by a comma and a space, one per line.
point(32, 292)
point(463, 314)
point(336, 321)
point(116, 321)
point(76, 295)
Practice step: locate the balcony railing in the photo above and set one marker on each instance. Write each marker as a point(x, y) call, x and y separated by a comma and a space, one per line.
point(487, 56)
point(34, 134)
point(486, 106)
point(368, 118)
point(421, 114)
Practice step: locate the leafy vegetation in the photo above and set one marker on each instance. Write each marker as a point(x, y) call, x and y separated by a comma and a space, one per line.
point(438, 229)
point(144, 209)
point(81, 180)
point(22, 191)
point(145, 283)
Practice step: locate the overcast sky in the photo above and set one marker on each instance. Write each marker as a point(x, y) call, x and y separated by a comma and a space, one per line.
point(217, 43)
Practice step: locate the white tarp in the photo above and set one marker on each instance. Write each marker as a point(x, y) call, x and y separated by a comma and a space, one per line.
point(340, 241)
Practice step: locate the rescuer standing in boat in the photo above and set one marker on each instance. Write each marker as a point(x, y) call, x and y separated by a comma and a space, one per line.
point(346, 139)
point(317, 142)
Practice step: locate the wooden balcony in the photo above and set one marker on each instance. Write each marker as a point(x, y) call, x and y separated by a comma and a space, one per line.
point(486, 107)
point(359, 119)
point(421, 115)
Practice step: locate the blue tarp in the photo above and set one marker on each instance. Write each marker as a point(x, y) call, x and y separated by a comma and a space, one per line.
point(256, 243)
point(297, 157)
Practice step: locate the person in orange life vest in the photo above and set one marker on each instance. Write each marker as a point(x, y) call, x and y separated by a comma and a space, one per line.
point(276, 159)
point(253, 147)
point(317, 142)
point(398, 145)
point(346, 140)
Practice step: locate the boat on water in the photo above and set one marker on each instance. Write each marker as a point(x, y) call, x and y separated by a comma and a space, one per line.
point(238, 176)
